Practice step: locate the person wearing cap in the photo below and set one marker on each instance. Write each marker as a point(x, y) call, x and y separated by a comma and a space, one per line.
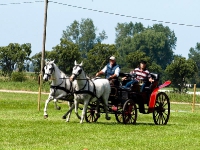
point(141, 74)
point(111, 71)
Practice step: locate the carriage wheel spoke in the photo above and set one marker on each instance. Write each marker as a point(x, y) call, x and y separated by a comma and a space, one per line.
point(162, 109)
point(129, 112)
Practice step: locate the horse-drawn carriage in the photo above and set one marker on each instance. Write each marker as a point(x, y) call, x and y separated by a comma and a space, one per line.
point(97, 96)
point(125, 102)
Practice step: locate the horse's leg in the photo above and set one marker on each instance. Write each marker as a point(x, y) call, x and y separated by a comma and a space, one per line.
point(105, 100)
point(84, 110)
point(97, 108)
point(68, 113)
point(71, 106)
point(55, 104)
point(50, 98)
point(76, 108)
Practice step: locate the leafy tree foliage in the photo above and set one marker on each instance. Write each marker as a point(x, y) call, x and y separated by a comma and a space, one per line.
point(23, 54)
point(157, 42)
point(124, 35)
point(180, 71)
point(13, 54)
point(64, 55)
point(98, 57)
point(125, 30)
point(36, 60)
point(134, 58)
point(195, 56)
point(6, 61)
point(84, 35)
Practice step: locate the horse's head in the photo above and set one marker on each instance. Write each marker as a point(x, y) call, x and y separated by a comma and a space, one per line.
point(48, 70)
point(77, 71)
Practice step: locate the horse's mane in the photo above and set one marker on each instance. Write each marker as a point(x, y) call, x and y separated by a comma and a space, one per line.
point(59, 69)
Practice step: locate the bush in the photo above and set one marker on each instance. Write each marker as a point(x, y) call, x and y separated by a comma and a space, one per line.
point(18, 76)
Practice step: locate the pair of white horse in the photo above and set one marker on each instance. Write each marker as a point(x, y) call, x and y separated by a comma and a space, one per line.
point(83, 89)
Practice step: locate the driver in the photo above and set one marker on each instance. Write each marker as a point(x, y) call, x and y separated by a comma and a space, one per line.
point(142, 74)
point(111, 71)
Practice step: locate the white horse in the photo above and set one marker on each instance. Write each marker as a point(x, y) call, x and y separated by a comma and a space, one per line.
point(87, 90)
point(61, 88)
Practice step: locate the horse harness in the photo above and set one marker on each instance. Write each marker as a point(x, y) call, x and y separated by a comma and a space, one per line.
point(59, 87)
point(82, 90)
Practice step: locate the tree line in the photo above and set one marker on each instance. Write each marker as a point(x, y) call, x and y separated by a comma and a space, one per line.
point(134, 42)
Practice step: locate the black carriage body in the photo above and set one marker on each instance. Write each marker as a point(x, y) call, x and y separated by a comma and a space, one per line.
point(124, 103)
point(142, 101)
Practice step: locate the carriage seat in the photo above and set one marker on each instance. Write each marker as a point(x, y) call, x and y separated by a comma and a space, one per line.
point(155, 76)
point(154, 84)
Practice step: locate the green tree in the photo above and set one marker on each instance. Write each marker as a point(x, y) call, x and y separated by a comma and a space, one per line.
point(124, 34)
point(6, 61)
point(157, 42)
point(195, 56)
point(125, 30)
point(22, 55)
point(84, 35)
point(179, 71)
point(134, 58)
point(36, 60)
point(64, 55)
point(13, 54)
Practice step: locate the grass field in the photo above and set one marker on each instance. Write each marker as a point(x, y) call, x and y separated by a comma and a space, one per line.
point(23, 127)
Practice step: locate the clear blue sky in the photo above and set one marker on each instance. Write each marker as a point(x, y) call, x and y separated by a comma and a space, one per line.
point(23, 23)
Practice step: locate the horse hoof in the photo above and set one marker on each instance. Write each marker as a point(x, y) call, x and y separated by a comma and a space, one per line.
point(108, 118)
point(98, 115)
point(45, 116)
point(58, 108)
point(64, 117)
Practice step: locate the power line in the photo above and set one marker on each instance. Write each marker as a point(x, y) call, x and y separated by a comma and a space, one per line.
point(18, 3)
point(105, 12)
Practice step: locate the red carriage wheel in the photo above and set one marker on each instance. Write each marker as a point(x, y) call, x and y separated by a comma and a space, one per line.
point(161, 111)
point(129, 112)
point(118, 114)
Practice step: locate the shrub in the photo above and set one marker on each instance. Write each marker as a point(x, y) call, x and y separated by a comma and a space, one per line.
point(18, 76)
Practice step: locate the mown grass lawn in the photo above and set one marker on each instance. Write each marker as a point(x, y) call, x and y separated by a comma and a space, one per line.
point(23, 127)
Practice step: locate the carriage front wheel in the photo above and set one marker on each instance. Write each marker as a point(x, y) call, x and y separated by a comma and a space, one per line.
point(161, 111)
point(90, 115)
point(129, 112)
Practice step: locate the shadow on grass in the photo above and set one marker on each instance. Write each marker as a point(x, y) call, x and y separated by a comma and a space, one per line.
point(118, 124)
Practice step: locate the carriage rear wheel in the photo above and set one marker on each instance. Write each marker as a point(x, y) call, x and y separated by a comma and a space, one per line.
point(90, 115)
point(161, 111)
point(118, 114)
point(129, 112)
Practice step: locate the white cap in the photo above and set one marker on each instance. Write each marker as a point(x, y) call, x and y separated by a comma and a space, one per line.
point(112, 58)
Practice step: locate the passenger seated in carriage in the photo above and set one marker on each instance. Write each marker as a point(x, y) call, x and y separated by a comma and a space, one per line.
point(111, 71)
point(141, 76)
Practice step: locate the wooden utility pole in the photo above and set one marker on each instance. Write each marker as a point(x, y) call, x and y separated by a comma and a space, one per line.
point(194, 98)
point(43, 53)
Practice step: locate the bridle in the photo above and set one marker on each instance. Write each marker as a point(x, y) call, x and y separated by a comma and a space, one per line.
point(52, 69)
point(79, 71)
